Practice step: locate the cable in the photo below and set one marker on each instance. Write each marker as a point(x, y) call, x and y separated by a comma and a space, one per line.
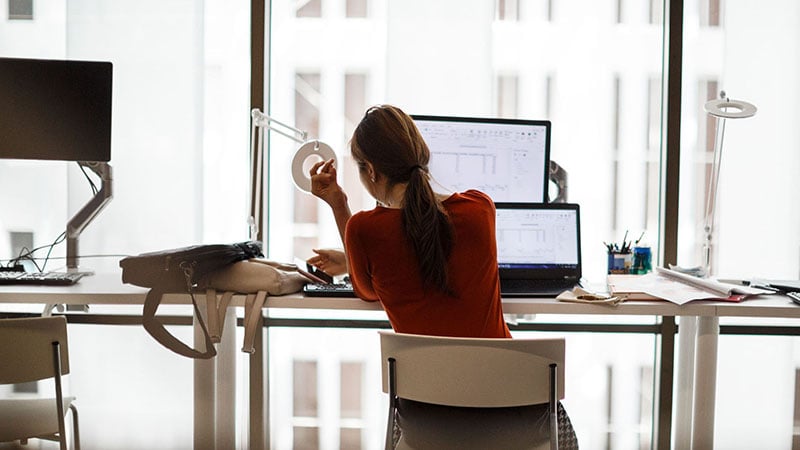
point(10, 262)
point(107, 255)
point(88, 178)
point(26, 254)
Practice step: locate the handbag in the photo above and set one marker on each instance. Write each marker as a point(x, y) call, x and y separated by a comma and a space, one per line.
point(231, 268)
point(257, 278)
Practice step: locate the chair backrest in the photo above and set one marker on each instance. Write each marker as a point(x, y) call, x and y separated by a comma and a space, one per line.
point(473, 372)
point(26, 348)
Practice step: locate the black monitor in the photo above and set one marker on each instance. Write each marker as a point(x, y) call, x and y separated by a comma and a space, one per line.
point(55, 110)
point(508, 159)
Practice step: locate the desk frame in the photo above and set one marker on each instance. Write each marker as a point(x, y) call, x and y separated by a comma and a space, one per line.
point(696, 402)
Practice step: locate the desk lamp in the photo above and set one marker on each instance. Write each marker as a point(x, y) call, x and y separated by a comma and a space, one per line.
point(722, 109)
point(307, 149)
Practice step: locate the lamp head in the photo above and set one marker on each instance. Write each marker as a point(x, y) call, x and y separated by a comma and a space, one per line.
point(726, 108)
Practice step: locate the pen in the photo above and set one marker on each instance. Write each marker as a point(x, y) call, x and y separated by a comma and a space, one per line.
point(766, 287)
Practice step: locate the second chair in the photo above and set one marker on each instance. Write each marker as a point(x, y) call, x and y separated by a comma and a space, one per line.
point(33, 349)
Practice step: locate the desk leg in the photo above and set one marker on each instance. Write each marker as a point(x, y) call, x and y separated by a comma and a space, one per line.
point(662, 434)
point(687, 338)
point(705, 386)
point(226, 383)
point(204, 391)
point(259, 425)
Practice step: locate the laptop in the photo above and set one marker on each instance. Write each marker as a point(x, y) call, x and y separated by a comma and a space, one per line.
point(538, 251)
point(538, 248)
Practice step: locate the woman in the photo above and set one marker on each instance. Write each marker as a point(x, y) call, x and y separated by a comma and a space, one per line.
point(430, 259)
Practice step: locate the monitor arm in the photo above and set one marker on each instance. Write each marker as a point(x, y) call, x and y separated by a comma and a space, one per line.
point(86, 214)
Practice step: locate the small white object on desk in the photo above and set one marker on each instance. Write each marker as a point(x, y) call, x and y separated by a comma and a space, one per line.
point(580, 295)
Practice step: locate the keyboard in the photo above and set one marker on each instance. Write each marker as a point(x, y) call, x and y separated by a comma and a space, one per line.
point(535, 288)
point(41, 278)
point(329, 290)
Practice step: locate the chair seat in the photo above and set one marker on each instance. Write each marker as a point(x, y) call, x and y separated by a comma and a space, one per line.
point(22, 418)
point(429, 426)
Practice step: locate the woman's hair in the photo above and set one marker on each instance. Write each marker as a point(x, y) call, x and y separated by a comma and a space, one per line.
point(388, 139)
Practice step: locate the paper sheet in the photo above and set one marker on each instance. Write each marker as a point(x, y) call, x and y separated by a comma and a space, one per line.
point(656, 285)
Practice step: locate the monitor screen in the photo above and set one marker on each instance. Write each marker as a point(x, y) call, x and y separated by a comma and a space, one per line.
point(55, 110)
point(508, 159)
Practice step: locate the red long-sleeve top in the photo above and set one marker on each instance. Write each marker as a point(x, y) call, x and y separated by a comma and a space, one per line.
point(383, 268)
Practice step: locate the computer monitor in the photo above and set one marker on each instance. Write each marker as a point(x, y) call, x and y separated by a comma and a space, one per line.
point(55, 110)
point(508, 159)
point(60, 110)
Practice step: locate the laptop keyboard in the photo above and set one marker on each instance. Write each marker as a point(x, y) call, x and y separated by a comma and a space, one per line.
point(523, 284)
point(41, 278)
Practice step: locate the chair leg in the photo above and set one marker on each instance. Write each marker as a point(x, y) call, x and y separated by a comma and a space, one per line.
point(62, 435)
point(76, 434)
point(390, 423)
point(553, 407)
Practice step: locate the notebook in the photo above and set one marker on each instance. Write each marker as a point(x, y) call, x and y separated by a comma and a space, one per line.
point(538, 248)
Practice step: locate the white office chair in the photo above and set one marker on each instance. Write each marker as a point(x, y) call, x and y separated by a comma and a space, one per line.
point(470, 393)
point(30, 350)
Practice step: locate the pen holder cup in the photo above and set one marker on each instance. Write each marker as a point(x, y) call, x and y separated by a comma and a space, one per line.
point(619, 262)
point(642, 261)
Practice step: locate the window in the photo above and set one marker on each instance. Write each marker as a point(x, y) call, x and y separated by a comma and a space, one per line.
point(307, 99)
point(179, 153)
point(309, 8)
point(454, 82)
point(507, 10)
point(181, 108)
point(760, 158)
point(710, 12)
point(20, 9)
point(306, 413)
point(656, 12)
point(356, 8)
point(503, 58)
point(507, 94)
point(652, 148)
point(352, 410)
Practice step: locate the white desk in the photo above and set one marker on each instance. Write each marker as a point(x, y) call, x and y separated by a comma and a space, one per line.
point(214, 383)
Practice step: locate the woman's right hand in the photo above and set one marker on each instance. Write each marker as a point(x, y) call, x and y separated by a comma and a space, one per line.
point(324, 185)
point(331, 261)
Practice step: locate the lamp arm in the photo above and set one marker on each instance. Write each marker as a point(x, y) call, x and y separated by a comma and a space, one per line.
point(302, 181)
point(262, 120)
point(711, 199)
point(722, 108)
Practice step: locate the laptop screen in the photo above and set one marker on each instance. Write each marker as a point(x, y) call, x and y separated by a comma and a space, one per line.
point(508, 159)
point(538, 240)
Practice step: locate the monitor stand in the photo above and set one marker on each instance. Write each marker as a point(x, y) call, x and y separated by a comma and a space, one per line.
point(86, 214)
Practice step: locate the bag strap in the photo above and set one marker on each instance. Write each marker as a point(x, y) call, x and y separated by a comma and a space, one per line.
point(252, 312)
point(216, 311)
point(160, 334)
